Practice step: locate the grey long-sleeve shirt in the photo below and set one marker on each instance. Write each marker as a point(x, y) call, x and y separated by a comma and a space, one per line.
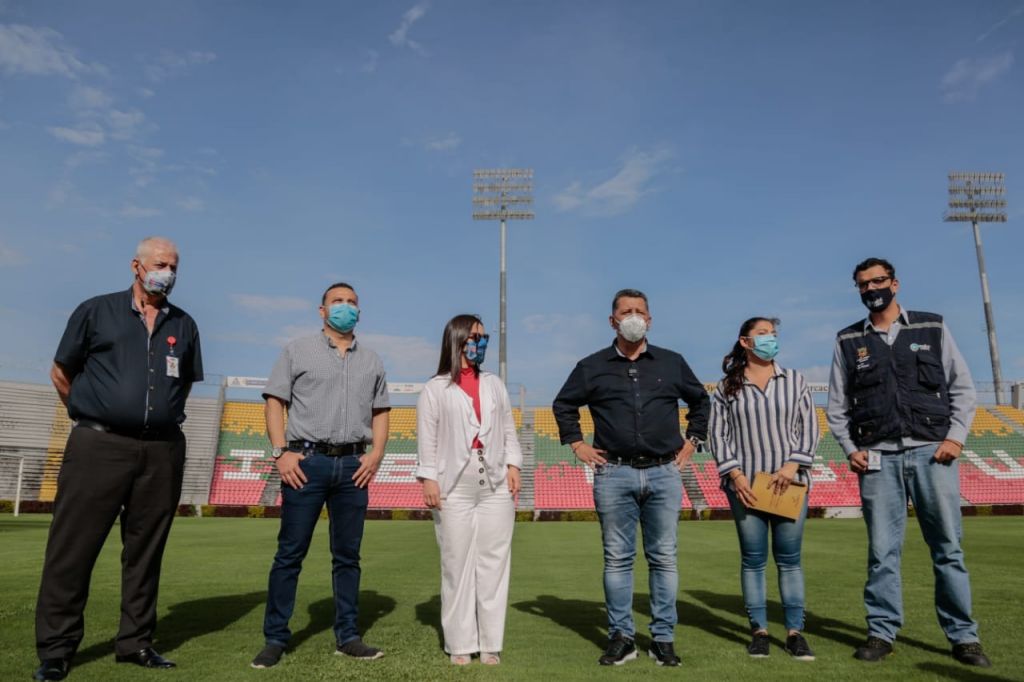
point(962, 397)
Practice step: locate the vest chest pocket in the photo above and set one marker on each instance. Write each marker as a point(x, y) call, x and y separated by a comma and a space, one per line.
point(929, 371)
point(867, 375)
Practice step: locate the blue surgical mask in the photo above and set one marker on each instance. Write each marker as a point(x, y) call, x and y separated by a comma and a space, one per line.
point(766, 346)
point(476, 349)
point(342, 317)
point(158, 282)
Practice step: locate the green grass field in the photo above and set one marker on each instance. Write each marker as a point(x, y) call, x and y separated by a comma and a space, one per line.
point(215, 570)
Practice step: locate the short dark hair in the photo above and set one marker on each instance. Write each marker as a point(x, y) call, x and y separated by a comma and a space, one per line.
point(336, 285)
point(869, 263)
point(628, 293)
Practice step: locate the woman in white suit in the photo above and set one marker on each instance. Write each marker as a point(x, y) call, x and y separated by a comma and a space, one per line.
point(469, 461)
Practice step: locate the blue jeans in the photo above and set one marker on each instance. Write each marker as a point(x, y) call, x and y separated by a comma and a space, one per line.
point(623, 496)
point(787, 535)
point(330, 481)
point(934, 489)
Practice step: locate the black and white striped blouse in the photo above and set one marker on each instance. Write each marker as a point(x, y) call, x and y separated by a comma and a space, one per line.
point(754, 430)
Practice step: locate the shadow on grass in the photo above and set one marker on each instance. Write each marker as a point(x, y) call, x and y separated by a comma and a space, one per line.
point(372, 607)
point(841, 632)
point(959, 672)
point(586, 618)
point(186, 621)
point(429, 613)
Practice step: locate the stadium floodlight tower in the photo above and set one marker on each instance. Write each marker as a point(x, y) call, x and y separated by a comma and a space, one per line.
point(980, 198)
point(503, 194)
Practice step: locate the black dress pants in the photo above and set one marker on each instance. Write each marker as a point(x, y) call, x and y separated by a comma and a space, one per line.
point(104, 476)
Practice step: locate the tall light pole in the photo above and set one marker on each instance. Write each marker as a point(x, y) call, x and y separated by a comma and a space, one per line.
point(501, 194)
point(980, 198)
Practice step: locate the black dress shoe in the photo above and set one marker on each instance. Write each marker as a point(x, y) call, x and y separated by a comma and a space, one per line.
point(147, 658)
point(52, 669)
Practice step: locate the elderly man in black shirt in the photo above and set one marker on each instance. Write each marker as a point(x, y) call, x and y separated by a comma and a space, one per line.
point(633, 390)
point(124, 369)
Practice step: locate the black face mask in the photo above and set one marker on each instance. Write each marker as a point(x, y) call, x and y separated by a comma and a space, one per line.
point(877, 300)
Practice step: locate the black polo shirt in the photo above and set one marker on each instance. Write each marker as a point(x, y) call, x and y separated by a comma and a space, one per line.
point(635, 404)
point(120, 371)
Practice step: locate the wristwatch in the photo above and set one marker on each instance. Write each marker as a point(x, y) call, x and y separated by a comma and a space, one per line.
point(277, 452)
point(697, 442)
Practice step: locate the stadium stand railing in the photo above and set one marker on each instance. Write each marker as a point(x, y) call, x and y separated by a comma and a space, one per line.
point(228, 458)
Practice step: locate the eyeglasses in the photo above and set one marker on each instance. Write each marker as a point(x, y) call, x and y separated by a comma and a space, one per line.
point(876, 281)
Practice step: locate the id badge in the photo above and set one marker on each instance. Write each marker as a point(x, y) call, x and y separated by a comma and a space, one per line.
point(874, 460)
point(172, 366)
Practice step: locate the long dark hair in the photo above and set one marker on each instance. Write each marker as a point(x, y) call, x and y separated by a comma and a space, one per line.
point(455, 335)
point(735, 363)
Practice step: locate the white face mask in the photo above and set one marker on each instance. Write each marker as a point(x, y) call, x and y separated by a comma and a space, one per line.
point(633, 328)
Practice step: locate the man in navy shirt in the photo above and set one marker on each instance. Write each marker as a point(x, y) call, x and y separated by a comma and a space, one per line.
point(124, 368)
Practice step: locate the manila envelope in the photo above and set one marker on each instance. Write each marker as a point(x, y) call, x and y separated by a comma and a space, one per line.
point(788, 504)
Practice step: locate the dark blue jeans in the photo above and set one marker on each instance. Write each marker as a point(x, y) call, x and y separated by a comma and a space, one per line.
point(329, 481)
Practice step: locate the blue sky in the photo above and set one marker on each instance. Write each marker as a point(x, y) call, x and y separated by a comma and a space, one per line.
point(728, 158)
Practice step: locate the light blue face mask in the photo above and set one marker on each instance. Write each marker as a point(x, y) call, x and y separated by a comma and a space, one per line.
point(342, 317)
point(766, 346)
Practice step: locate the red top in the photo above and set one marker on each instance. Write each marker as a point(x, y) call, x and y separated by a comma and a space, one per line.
point(469, 382)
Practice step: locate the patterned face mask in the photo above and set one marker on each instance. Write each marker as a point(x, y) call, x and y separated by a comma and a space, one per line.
point(158, 281)
point(476, 349)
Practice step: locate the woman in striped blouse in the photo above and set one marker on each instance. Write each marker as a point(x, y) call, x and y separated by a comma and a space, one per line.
point(762, 419)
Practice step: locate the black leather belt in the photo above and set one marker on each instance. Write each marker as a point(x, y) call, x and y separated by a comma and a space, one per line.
point(145, 433)
point(643, 461)
point(329, 449)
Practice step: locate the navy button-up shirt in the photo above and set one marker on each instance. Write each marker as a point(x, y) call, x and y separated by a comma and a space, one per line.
point(120, 372)
point(635, 404)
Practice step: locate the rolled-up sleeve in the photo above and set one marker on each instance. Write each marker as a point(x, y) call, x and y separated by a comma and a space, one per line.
point(806, 427)
point(960, 386)
point(567, 406)
point(720, 434)
point(427, 421)
point(381, 401)
point(513, 452)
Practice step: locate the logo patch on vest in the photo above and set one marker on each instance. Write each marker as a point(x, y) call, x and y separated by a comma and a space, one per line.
point(919, 346)
point(863, 358)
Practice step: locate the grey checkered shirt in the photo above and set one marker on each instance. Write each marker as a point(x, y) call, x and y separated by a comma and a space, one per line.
point(330, 397)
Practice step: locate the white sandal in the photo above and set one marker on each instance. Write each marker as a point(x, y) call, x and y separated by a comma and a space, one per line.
point(461, 659)
point(490, 658)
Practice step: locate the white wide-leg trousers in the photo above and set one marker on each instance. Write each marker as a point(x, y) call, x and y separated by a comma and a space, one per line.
point(474, 533)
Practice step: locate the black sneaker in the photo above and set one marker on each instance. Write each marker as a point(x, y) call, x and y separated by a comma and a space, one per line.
point(970, 653)
point(620, 649)
point(664, 654)
point(759, 645)
point(873, 650)
point(357, 648)
point(796, 646)
point(269, 657)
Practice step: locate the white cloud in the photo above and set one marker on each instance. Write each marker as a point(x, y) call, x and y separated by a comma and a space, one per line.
point(400, 36)
point(145, 93)
point(370, 60)
point(84, 157)
point(1015, 12)
point(442, 143)
point(133, 211)
point(272, 304)
point(86, 135)
point(968, 76)
point(617, 194)
point(405, 358)
point(39, 52)
point(125, 125)
point(169, 64)
point(84, 97)
point(10, 256)
point(192, 204)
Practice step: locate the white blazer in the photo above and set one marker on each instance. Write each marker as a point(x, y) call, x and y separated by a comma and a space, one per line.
point(446, 424)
